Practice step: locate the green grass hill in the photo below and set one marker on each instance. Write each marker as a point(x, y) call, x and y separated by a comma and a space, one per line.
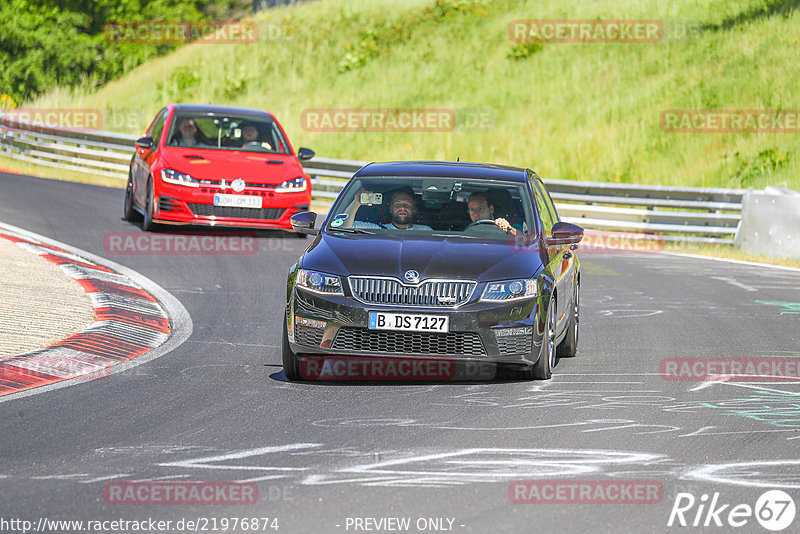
point(584, 111)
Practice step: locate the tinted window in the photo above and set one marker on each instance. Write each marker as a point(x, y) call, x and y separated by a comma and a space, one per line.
point(541, 207)
point(157, 127)
point(227, 132)
point(458, 207)
point(550, 204)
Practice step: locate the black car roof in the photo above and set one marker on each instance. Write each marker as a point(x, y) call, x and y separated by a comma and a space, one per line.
point(208, 108)
point(445, 169)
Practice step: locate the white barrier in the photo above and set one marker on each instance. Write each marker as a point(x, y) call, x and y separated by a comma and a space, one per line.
point(770, 223)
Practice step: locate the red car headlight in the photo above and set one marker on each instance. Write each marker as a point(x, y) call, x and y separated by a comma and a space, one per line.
point(171, 176)
point(292, 186)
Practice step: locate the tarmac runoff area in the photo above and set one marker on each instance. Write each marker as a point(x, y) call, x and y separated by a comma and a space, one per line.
point(39, 304)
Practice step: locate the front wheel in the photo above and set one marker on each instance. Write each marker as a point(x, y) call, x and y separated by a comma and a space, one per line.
point(291, 363)
point(128, 213)
point(148, 225)
point(569, 346)
point(543, 368)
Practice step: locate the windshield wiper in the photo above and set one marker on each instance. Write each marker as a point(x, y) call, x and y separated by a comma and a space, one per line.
point(351, 230)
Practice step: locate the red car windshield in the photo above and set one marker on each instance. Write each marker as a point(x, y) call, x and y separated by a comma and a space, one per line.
point(227, 132)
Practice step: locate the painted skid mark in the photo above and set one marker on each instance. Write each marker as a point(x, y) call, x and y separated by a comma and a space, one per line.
point(789, 308)
point(732, 281)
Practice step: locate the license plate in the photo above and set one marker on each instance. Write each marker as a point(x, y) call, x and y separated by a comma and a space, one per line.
point(408, 322)
point(237, 201)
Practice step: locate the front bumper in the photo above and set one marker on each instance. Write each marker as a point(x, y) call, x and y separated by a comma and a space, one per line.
point(507, 333)
point(185, 205)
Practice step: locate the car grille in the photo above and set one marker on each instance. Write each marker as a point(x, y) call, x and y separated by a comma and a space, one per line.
point(305, 335)
point(363, 340)
point(515, 344)
point(218, 183)
point(436, 293)
point(208, 210)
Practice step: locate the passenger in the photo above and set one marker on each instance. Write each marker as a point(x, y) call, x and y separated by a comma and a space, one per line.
point(403, 208)
point(188, 132)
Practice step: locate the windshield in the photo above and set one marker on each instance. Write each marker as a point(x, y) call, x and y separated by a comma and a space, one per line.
point(227, 132)
point(479, 209)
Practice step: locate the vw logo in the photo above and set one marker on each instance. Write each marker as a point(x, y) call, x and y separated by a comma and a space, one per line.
point(411, 276)
point(238, 185)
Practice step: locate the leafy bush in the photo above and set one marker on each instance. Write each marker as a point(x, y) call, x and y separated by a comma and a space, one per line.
point(763, 165)
point(523, 50)
point(50, 43)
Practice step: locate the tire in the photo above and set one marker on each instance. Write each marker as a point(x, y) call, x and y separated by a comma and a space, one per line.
point(543, 368)
point(148, 225)
point(128, 213)
point(300, 236)
point(291, 363)
point(569, 346)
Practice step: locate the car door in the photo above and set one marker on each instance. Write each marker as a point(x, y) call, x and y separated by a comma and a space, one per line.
point(145, 157)
point(559, 256)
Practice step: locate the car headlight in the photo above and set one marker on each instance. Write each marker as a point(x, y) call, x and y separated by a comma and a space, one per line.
point(292, 186)
point(172, 176)
point(316, 282)
point(507, 290)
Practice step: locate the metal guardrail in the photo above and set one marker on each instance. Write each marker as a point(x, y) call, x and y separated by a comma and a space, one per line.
point(695, 214)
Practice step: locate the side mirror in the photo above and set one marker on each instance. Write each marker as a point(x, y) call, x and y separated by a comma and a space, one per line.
point(565, 233)
point(303, 223)
point(305, 154)
point(145, 142)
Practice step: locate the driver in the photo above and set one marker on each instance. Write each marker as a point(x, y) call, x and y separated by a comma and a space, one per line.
point(250, 137)
point(403, 207)
point(188, 133)
point(481, 210)
point(250, 134)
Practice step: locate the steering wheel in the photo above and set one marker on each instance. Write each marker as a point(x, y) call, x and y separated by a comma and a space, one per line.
point(481, 221)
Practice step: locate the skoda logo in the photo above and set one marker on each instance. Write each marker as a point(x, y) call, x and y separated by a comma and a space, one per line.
point(238, 185)
point(411, 276)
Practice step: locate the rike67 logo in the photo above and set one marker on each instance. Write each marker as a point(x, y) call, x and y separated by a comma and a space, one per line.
point(774, 510)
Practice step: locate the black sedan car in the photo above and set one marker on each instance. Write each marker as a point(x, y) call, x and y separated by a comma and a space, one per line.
point(436, 261)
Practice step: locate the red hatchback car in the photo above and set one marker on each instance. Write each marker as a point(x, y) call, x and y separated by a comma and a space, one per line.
point(216, 166)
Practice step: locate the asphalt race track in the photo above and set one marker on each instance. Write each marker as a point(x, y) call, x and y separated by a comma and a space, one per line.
point(218, 408)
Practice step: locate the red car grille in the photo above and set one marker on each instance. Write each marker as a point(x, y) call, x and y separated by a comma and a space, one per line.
point(207, 210)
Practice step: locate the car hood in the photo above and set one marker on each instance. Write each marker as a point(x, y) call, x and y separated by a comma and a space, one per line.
point(431, 256)
point(229, 165)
